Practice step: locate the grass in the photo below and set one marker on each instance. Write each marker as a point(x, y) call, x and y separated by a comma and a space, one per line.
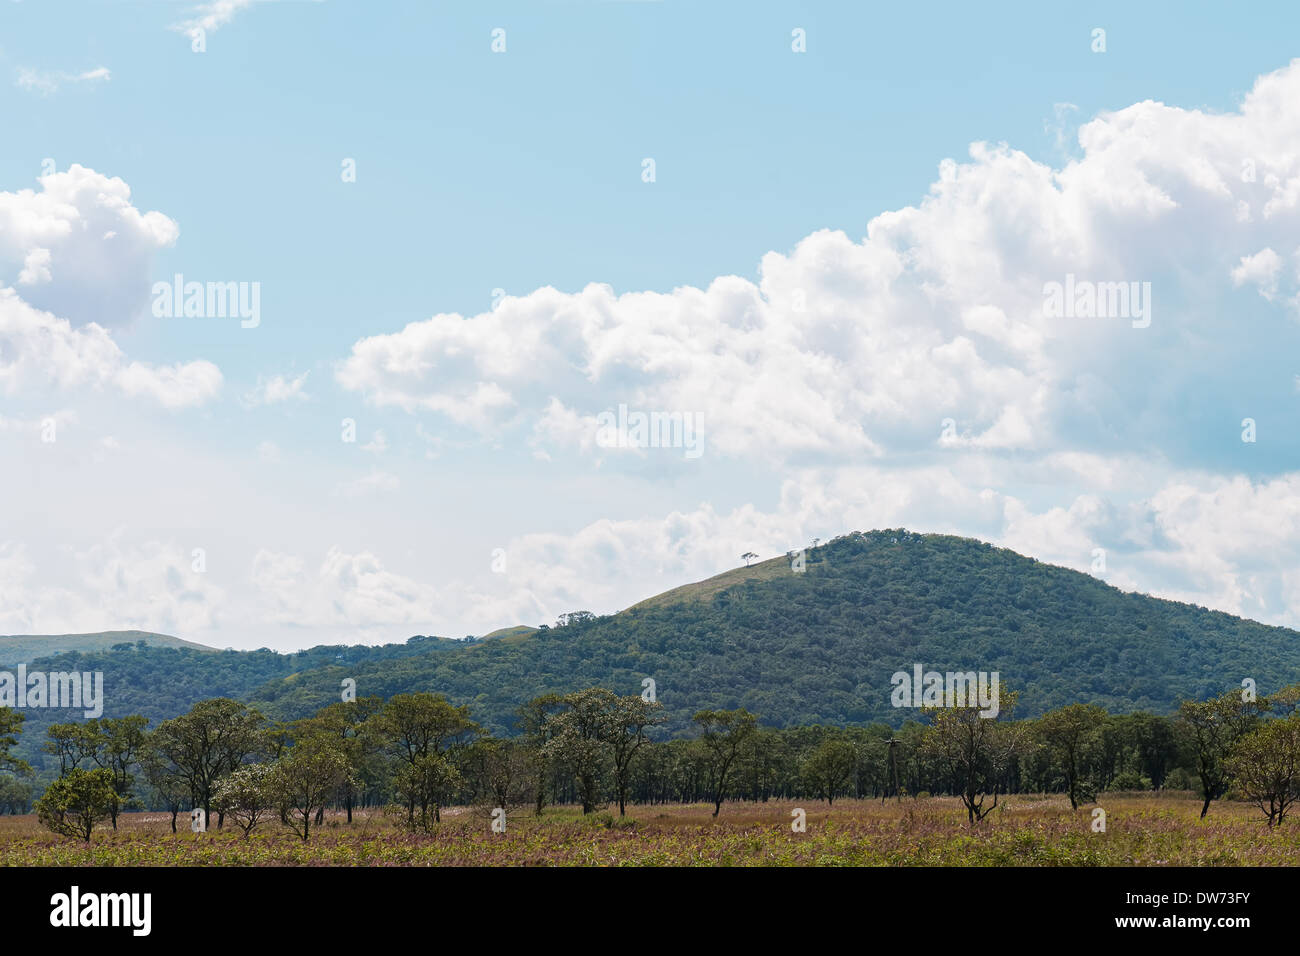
point(1142, 830)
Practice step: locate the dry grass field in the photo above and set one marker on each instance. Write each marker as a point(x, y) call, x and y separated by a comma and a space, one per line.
point(1141, 830)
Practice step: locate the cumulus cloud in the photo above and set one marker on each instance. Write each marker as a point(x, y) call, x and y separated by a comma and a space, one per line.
point(38, 349)
point(848, 349)
point(82, 254)
point(79, 248)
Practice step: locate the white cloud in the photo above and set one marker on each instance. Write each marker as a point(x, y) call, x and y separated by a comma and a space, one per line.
point(844, 350)
point(211, 16)
point(1261, 270)
point(116, 586)
point(276, 389)
point(46, 82)
point(82, 250)
point(38, 349)
point(349, 591)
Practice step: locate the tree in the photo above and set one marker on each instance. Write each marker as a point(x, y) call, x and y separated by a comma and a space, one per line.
point(208, 743)
point(170, 787)
point(120, 742)
point(534, 719)
point(426, 783)
point(76, 802)
point(245, 796)
point(580, 736)
point(976, 750)
point(73, 743)
point(501, 771)
point(725, 734)
point(1213, 727)
point(829, 768)
point(425, 734)
point(11, 724)
point(351, 723)
point(628, 719)
point(1072, 734)
point(747, 557)
point(302, 781)
point(1265, 766)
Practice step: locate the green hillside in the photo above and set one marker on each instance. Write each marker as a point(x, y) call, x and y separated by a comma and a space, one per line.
point(18, 649)
point(798, 649)
point(820, 646)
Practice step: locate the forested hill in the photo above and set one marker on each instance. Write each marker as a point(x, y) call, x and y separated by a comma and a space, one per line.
point(796, 648)
point(820, 646)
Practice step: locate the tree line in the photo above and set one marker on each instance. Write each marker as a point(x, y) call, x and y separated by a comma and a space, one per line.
point(417, 753)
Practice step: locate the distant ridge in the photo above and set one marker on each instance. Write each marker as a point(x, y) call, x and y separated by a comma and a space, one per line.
point(18, 649)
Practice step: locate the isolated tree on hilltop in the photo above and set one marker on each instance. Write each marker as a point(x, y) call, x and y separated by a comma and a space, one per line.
point(747, 557)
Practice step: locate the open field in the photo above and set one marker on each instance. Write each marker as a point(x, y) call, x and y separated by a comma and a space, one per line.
point(1142, 830)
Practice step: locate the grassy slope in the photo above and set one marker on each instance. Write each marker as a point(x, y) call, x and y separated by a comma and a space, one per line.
point(24, 648)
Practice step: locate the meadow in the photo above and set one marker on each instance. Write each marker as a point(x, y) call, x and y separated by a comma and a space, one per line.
point(1026, 830)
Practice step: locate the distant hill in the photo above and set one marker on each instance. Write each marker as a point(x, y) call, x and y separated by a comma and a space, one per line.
point(796, 648)
point(510, 634)
point(18, 649)
point(821, 646)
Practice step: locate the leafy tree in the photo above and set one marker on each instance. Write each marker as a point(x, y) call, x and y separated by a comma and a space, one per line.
point(170, 787)
point(76, 802)
point(829, 768)
point(206, 744)
point(725, 734)
point(246, 796)
point(11, 724)
point(425, 734)
point(353, 725)
point(501, 771)
point(534, 719)
point(1214, 727)
point(977, 750)
point(302, 781)
point(1073, 734)
point(629, 717)
point(73, 743)
point(580, 741)
point(1265, 765)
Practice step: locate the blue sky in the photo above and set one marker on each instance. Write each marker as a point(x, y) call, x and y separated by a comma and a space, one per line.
point(521, 170)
